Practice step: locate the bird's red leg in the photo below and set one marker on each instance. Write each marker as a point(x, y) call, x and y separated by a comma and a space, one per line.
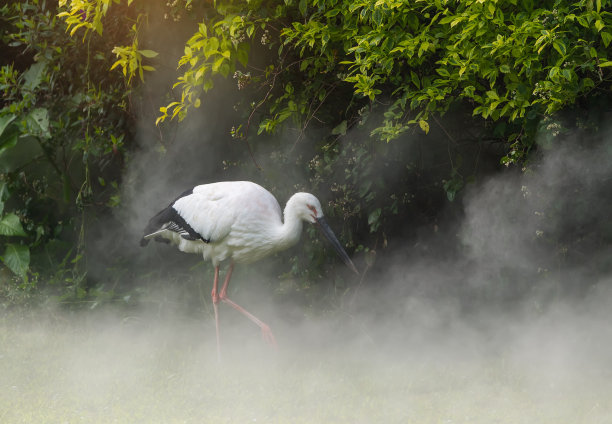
point(265, 329)
point(228, 275)
point(215, 300)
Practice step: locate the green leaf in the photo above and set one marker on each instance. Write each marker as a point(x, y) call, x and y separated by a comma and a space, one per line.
point(588, 82)
point(250, 30)
point(377, 17)
point(217, 64)
point(148, 53)
point(34, 75)
point(4, 121)
point(9, 139)
point(38, 122)
point(415, 79)
point(374, 216)
point(303, 6)
point(560, 47)
point(605, 64)
point(225, 69)
point(340, 129)
point(4, 192)
point(504, 69)
point(492, 94)
point(554, 71)
point(424, 125)
point(606, 37)
point(11, 226)
point(242, 54)
point(17, 259)
point(567, 74)
point(456, 21)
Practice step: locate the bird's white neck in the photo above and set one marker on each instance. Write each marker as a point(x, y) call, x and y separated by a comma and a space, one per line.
point(291, 229)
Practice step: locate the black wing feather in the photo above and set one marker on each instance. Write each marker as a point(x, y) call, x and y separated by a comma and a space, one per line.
point(169, 219)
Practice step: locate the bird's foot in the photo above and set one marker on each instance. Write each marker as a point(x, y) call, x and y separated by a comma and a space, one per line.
point(267, 335)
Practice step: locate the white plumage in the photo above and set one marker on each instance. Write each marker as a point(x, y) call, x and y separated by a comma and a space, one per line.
point(240, 221)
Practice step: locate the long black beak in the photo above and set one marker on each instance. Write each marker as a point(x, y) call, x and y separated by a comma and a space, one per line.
point(329, 234)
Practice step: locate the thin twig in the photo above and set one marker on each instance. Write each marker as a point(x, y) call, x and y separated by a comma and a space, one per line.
point(252, 114)
point(312, 115)
point(444, 130)
point(450, 156)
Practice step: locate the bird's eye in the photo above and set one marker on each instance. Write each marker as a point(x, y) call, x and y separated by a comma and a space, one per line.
point(313, 209)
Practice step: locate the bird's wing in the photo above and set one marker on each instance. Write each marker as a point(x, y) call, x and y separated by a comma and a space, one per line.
point(210, 210)
point(169, 220)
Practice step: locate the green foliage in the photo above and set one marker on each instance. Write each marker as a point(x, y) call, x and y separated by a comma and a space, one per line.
point(87, 14)
point(58, 126)
point(11, 226)
point(209, 52)
point(510, 60)
point(17, 258)
point(507, 60)
point(130, 57)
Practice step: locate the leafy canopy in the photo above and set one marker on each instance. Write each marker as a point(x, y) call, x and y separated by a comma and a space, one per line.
point(511, 60)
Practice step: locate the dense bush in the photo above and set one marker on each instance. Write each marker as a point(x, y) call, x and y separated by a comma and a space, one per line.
point(63, 122)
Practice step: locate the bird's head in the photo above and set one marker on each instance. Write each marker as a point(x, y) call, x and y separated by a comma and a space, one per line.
point(308, 208)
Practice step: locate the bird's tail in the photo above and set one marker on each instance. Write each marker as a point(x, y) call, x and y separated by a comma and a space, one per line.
point(153, 227)
point(147, 237)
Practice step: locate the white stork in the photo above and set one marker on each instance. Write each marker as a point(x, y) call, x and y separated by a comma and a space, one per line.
point(240, 221)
